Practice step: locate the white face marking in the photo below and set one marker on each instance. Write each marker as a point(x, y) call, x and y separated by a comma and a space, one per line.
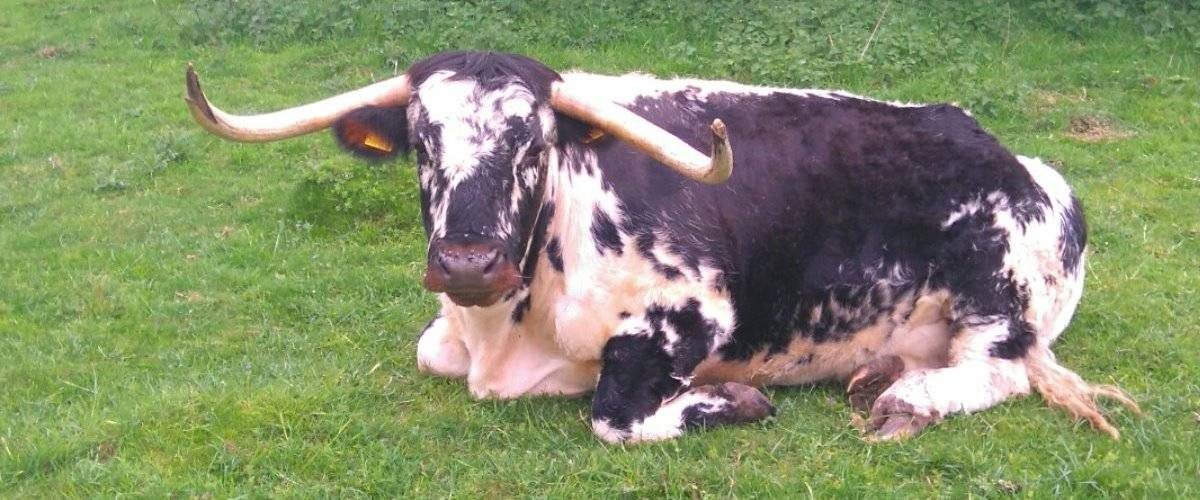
point(471, 124)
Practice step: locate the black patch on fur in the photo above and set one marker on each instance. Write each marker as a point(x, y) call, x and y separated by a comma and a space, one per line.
point(521, 308)
point(695, 332)
point(645, 247)
point(1021, 337)
point(554, 254)
point(605, 233)
point(634, 379)
point(669, 272)
point(637, 374)
point(701, 415)
point(1074, 237)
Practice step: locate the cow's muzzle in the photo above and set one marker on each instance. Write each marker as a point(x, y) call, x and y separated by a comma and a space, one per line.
point(471, 271)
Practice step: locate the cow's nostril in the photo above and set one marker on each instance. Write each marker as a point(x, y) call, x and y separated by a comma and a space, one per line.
point(442, 262)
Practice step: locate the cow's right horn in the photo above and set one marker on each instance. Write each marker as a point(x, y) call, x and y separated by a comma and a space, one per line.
point(295, 121)
point(648, 137)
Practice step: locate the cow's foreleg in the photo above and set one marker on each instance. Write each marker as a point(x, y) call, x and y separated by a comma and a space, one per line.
point(645, 392)
point(440, 351)
point(976, 379)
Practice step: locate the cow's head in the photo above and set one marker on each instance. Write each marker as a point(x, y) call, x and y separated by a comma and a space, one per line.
point(482, 126)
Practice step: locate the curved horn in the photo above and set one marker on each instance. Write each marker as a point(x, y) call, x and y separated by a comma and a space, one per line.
point(295, 121)
point(648, 137)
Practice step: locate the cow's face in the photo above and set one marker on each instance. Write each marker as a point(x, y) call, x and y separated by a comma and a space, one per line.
point(481, 157)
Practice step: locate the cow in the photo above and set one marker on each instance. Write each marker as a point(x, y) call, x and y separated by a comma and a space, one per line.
point(580, 242)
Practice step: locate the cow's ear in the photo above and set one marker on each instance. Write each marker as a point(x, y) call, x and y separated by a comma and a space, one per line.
point(373, 132)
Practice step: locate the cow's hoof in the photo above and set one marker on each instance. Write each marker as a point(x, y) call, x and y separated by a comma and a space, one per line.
point(871, 379)
point(747, 404)
point(894, 419)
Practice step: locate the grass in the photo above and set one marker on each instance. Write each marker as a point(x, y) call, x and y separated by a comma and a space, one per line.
point(185, 316)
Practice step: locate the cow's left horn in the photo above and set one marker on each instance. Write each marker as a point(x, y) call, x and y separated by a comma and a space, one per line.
point(648, 137)
point(295, 121)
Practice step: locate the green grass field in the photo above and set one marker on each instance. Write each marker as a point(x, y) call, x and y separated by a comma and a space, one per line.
point(185, 316)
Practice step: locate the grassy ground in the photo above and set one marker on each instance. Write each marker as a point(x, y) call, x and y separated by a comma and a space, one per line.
point(182, 315)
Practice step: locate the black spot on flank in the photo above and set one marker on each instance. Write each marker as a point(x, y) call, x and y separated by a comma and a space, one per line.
point(554, 254)
point(605, 232)
point(1021, 336)
point(624, 315)
point(1074, 237)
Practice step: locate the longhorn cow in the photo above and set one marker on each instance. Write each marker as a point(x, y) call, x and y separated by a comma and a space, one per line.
point(896, 247)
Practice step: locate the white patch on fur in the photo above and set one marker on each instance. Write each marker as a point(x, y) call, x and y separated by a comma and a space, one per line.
point(607, 433)
point(971, 207)
point(1050, 306)
point(455, 106)
point(441, 352)
point(508, 361)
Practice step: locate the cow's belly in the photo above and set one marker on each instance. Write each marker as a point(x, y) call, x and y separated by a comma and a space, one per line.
point(920, 336)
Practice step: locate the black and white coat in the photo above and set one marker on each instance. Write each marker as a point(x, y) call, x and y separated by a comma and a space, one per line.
point(896, 246)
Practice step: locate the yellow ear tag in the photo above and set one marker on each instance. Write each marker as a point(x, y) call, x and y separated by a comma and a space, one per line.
point(377, 143)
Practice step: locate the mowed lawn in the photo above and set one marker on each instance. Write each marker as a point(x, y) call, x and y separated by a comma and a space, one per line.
point(181, 315)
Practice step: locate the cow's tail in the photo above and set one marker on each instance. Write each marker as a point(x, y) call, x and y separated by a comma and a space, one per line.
point(1064, 388)
point(1062, 237)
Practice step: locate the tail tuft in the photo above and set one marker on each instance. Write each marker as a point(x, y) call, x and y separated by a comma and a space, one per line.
point(1063, 388)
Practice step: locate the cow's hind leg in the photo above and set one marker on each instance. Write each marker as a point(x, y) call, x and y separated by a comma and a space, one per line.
point(977, 378)
point(983, 372)
point(645, 393)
